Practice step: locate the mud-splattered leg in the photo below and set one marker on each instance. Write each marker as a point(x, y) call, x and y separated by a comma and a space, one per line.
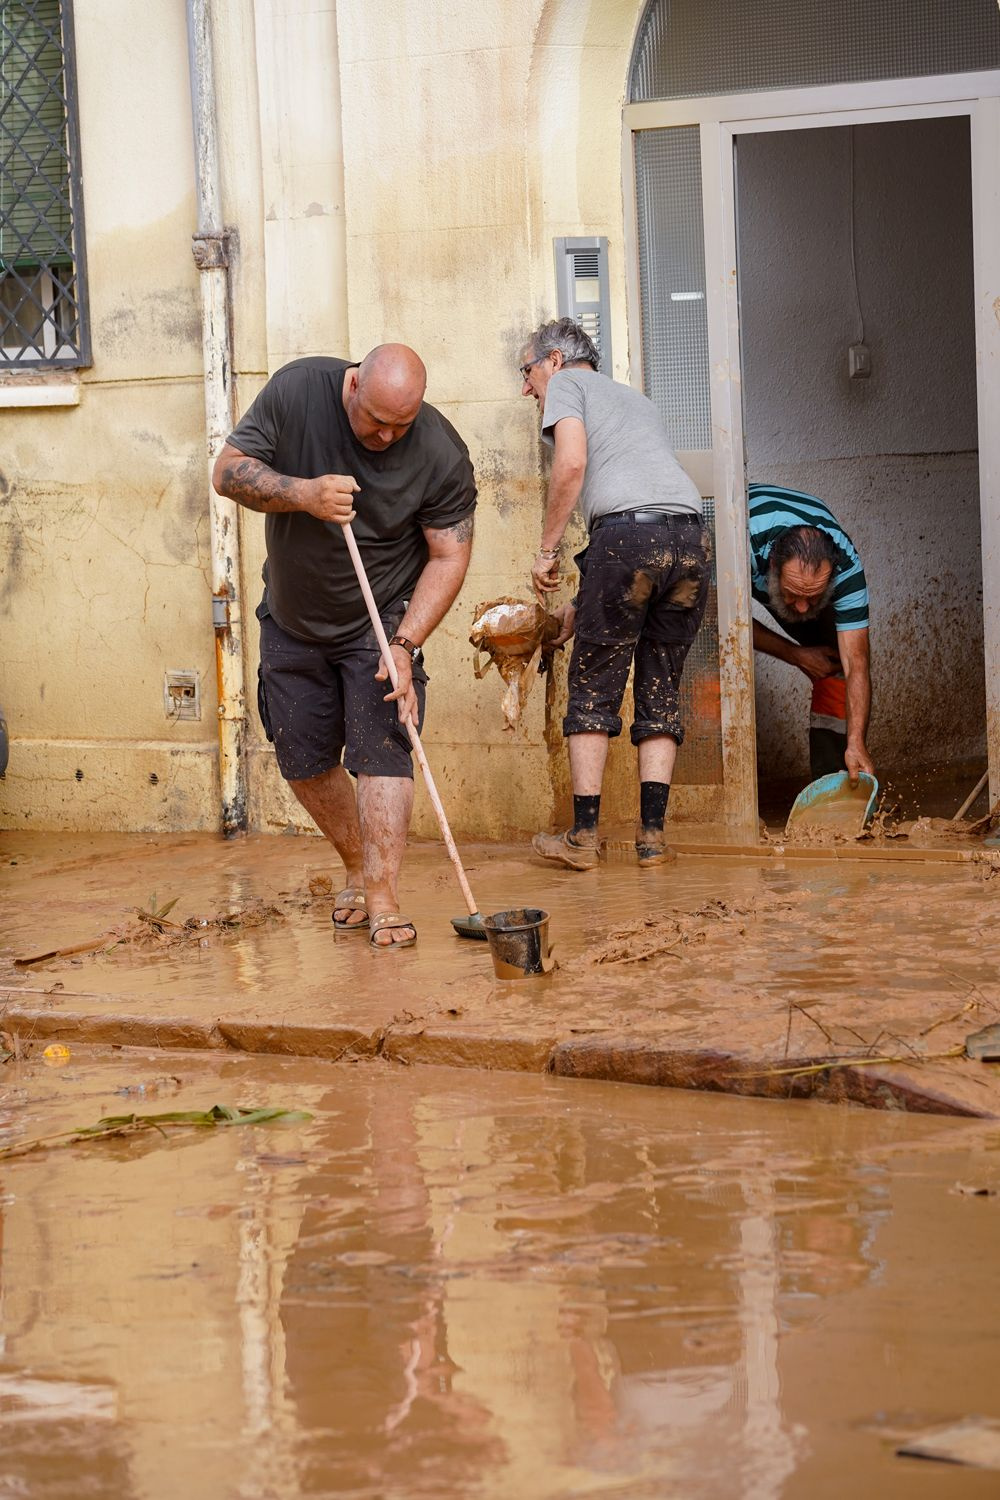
point(656, 758)
point(329, 800)
point(384, 807)
point(588, 754)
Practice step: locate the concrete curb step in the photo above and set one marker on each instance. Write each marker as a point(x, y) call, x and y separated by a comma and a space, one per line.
point(894, 853)
point(927, 1089)
point(919, 1090)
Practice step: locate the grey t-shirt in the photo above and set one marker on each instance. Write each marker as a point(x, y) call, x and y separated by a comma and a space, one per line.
point(630, 464)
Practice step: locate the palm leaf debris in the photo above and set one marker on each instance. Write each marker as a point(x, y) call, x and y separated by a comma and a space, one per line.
point(152, 928)
point(115, 1126)
point(860, 1060)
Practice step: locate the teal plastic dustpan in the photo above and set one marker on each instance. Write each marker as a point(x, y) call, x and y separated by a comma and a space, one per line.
point(831, 802)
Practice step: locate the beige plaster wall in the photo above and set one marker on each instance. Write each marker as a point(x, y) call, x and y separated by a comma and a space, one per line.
point(392, 172)
point(104, 505)
point(102, 519)
point(472, 136)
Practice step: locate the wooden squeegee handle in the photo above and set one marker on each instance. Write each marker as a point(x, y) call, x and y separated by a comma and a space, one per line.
point(411, 728)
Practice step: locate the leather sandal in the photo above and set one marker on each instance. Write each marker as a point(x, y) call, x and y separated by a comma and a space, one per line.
point(354, 897)
point(387, 921)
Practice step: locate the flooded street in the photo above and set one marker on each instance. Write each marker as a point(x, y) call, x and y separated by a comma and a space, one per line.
point(454, 1283)
point(725, 972)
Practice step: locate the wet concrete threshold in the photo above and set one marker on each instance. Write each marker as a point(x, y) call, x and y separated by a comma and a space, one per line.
point(841, 979)
point(447, 1285)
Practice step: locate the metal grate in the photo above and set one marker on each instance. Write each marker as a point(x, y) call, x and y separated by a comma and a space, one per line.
point(672, 282)
point(690, 48)
point(42, 316)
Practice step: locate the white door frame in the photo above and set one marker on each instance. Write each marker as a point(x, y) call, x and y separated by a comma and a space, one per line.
point(721, 118)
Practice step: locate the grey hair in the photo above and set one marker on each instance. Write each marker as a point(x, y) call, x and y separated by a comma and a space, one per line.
point(569, 338)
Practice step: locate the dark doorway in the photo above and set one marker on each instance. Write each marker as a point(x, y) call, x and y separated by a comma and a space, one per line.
point(863, 233)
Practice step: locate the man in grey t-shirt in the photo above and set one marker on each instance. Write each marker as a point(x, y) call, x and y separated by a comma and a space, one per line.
point(643, 580)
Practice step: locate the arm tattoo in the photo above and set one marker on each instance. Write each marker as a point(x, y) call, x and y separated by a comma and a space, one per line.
point(253, 484)
point(462, 530)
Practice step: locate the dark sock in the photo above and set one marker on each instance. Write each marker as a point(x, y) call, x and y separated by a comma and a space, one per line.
point(653, 803)
point(586, 812)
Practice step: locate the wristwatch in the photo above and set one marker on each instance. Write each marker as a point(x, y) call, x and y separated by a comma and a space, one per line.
point(408, 646)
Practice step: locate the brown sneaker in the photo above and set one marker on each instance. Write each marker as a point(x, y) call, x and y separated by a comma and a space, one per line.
point(652, 848)
point(578, 851)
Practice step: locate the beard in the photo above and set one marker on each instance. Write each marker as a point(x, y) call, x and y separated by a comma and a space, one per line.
point(780, 609)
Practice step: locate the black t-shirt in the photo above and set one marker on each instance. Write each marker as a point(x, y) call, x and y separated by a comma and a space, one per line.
point(298, 426)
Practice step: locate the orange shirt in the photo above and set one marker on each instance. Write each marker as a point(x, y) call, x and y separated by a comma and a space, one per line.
point(830, 697)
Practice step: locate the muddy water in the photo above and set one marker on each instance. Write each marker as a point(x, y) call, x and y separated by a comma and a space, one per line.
point(838, 813)
point(453, 1285)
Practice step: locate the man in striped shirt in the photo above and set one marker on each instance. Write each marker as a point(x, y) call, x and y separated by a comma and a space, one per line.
point(805, 570)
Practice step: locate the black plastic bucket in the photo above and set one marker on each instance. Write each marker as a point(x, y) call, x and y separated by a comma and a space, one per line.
point(519, 942)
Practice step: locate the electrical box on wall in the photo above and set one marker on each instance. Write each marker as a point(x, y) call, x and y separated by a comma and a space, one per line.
point(859, 361)
point(583, 291)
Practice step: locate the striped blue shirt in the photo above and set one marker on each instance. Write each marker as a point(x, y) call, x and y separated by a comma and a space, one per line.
point(772, 510)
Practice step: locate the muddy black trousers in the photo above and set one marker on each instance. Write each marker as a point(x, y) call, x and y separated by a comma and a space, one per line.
point(643, 586)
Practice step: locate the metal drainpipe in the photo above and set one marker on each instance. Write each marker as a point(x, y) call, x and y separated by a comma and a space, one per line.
point(211, 254)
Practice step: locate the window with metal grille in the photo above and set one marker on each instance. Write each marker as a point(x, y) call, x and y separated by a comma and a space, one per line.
point(42, 281)
point(691, 48)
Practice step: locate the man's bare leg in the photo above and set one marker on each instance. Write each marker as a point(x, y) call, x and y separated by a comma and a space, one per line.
point(656, 758)
point(588, 754)
point(330, 802)
point(384, 807)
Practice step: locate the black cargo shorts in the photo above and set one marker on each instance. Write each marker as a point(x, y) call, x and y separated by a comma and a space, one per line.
point(320, 702)
point(643, 589)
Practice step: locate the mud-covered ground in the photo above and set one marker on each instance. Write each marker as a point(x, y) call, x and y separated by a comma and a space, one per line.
point(852, 974)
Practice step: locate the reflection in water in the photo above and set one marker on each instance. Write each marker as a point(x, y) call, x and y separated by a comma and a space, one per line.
point(451, 1285)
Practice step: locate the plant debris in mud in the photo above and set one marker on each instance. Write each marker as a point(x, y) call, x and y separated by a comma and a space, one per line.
point(663, 934)
point(115, 1126)
point(853, 1060)
point(152, 928)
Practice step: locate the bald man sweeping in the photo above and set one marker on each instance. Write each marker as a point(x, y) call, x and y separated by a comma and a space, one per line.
point(326, 442)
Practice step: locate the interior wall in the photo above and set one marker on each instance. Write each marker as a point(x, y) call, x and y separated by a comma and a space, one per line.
point(894, 456)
